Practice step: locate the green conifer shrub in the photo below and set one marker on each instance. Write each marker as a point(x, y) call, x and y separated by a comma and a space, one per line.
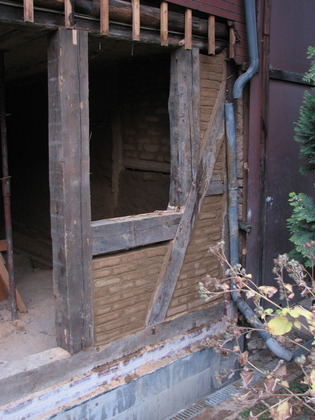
point(301, 224)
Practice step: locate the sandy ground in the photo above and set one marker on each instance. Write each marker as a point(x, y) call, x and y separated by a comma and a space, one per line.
point(34, 331)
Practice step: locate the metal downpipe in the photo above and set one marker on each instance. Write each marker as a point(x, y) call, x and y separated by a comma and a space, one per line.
point(244, 308)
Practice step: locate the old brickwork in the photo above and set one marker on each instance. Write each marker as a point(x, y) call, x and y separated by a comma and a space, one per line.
point(210, 222)
point(198, 262)
point(123, 285)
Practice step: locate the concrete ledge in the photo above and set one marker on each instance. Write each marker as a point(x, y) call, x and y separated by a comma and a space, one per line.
point(155, 395)
point(18, 381)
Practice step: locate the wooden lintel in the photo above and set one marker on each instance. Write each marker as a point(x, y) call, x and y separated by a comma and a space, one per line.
point(133, 231)
point(232, 40)
point(188, 29)
point(164, 23)
point(28, 10)
point(104, 17)
point(211, 35)
point(68, 13)
point(136, 20)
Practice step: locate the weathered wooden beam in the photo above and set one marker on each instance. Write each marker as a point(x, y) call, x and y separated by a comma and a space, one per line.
point(211, 35)
point(174, 260)
point(15, 383)
point(28, 10)
point(184, 101)
point(47, 22)
point(70, 188)
point(150, 16)
point(133, 231)
point(164, 23)
point(136, 20)
point(4, 277)
point(104, 17)
point(288, 76)
point(232, 40)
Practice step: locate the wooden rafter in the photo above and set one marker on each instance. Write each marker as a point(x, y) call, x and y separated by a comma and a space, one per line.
point(28, 10)
point(188, 29)
point(164, 23)
point(68, 13)
point(136, 20)
point(104, 17)
point(211, 35)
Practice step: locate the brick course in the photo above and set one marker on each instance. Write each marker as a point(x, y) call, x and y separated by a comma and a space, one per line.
point(122, 295)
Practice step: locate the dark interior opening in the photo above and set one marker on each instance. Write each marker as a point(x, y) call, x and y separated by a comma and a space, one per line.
point(129, 143)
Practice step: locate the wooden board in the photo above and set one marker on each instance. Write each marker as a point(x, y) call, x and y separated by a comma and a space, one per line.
point(4, 277)
point(130, 232)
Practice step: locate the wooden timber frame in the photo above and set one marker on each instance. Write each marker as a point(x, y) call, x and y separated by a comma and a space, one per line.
point(70, 187)
point(75, 238)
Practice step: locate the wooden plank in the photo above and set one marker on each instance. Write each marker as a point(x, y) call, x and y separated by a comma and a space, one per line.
point(136, 20)
point(68, 13)
point(133, 231)
point(70, 188)
point(288, 76)
point(164, 23)
point(104, 17)
point(174, 260)
point(184, 108)
point(4, 276)
point(211, 35)
point(28, 10)
point(3, 245)
point(232, 40)
point(188, 29)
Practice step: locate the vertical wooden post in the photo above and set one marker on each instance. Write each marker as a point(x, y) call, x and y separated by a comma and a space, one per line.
point(104, 17)
point(188, 29)
point(232, 42)
point(164, 23)
point(211, 35)
point(6, 190)
point(70, 188)
point(136, 20)
point(68, 13)
point(184, 108)
point(28, 10)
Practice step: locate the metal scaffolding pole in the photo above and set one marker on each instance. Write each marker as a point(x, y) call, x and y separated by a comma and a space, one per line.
point(6, 190)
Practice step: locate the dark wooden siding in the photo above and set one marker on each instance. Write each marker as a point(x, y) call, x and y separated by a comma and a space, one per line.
point(232, 10)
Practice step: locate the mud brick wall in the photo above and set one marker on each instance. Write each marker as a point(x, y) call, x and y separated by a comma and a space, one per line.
point(209, 229)
point(212, 72)
point(123, 285)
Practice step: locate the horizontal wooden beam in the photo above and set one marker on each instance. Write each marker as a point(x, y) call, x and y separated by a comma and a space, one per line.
point(287, 76)
point(133, 231)
point(49, 21)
